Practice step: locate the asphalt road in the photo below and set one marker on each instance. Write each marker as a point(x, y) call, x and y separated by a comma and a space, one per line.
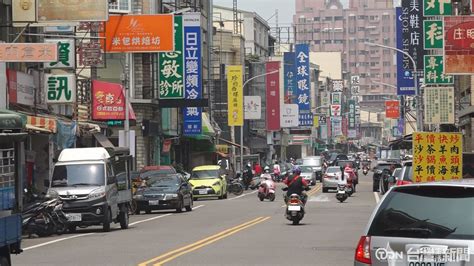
point(237, 231)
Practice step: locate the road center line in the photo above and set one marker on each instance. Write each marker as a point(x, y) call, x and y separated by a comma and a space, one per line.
point(377, 197)
point(173, 252)
point(243, 195)
point(56, 241)
point(210, 242)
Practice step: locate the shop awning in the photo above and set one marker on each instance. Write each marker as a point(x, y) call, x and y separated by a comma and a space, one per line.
point(207, 128)
point(103, 141)
point(41, 124)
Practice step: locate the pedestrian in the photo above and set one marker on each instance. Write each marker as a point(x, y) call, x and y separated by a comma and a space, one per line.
point(257, 168)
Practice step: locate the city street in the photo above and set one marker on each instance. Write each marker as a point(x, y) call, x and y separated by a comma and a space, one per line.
point(237, 231)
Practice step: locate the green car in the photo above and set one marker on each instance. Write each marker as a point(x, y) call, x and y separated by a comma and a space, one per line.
point(207, 182)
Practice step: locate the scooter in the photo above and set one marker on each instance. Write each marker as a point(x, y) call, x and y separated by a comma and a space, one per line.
point(294, 209)
point(365, 171)
point(45, 218)
point(266, 189)
point(235, 186)
point(341, 194)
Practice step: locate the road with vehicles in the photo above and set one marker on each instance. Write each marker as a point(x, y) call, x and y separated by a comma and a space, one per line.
point(236, 231)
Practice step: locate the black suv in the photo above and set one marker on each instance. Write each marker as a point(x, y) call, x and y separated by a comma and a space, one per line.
point(382, 172)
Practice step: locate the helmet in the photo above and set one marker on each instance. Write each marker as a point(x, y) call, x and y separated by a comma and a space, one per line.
point(296, 170)
point(266, 169)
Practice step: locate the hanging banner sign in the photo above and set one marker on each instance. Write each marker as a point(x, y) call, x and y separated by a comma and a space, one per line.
point(412, 32)
point(289, 116)
point(439, 105)
point(437, 156)
point(352, 114)
point(235, 96)
point(289, 77)
point(405, 81)
point(273, 95)
point(171, 66)
point(337, 85)
point(336, 97)
point(303, 84)
point(252, 107)
point(192, 120)
point(336, 126)
point(28, 52)
point(459, 45)
point(21, 87)
point(392, 109)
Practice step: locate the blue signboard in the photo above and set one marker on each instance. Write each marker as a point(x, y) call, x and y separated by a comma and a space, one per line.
point(405, 81)
point(289, 70)
point(401, 125)
point(303, 84)
point(192, 73)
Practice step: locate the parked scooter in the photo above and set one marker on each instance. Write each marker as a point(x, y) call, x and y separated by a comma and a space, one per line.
point(266, 189)
point(45, 218)
point(235, 186)
point(341, 194)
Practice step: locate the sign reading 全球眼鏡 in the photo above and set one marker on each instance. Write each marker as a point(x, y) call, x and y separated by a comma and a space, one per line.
point(303, 84)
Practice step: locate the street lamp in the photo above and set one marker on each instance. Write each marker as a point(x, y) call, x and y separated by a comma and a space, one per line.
point(419, 115)
point(242, 127)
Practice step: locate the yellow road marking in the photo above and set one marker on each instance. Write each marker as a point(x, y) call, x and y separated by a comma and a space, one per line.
point(202, 241)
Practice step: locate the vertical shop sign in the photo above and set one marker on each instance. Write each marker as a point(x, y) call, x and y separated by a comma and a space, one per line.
point(273, 95)
point(434, 74)
point(192, 124)
point(171, 66)
point(235, 96)
point(405, 81)
point(439, 105)
point(289, 78)
point(352, 114)
point(303, 84)
point(433, 32)
point(412, 32)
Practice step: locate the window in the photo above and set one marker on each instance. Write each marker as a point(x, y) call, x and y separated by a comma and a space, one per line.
point(386, 63)
point(361, 28)
point(339, 41)
point(316, 19)
point(387, 51)
point(362, 17)
point(317, 41)
point(120, 6)
point(327, 41)
point(328, 18)
point(352, 52)
point(338, 18)
point(110, 174)
point(387, 75)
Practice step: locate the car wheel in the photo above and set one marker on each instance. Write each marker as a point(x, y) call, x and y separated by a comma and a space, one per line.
point(225, 195)
point(147, 211)
point(179, 208)
point(190, 206)
point(72, 229)
point(107, 221)
point(137, 211)
point(194, 198)
point(124, 219)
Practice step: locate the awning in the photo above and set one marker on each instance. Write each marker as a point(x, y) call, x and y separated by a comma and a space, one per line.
point(207, 128)
point(103, 141)
point(41, 124)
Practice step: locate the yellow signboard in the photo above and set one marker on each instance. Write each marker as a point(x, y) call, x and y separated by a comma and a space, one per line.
point(222, 148)
point(437, 156)
point(235, 96)
point(316, 121)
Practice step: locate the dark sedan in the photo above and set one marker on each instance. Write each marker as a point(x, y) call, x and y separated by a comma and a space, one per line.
point(164, 192)
point(382, 172)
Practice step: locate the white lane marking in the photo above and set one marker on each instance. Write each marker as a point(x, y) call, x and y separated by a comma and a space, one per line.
point(243, 195)
point(150, 219)
point(199, 206)
point(57, 240)
point(377, 197)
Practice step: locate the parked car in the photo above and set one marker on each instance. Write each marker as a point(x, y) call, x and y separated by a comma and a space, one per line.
point(421, 223)
point(336, 157)
point(308, 174)
point(406, 174)
point(378, 173)
point(316, 162)
point(330, 178)
point(207, 181)
point(171, 191)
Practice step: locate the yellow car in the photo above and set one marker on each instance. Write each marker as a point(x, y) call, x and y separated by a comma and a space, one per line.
point(207, 181)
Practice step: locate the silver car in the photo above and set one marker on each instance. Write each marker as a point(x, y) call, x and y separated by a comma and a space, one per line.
point(421, 224)
point(330, 178)
point(308, 174)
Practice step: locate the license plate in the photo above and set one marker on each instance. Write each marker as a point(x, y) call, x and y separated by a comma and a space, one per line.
point(294, 208)
point(74, 217)
point(341, 192)
point(202, 192)
point(153, 202)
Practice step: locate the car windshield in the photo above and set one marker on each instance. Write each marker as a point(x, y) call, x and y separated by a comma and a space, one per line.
point(306, 169)
point(312, 161)
point(332, 170)
point(408, 173)
point(78, 175)
point(397, 172)
point(148, 174)
point(163, 181)
point(205, 174)
point(426, 212)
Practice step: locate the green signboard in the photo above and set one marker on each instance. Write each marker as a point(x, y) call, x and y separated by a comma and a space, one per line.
point(437, 7)
point(434, 70)
point(171, 66)
point(433, 30)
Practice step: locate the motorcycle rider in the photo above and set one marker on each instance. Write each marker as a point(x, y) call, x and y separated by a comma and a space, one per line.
point(248, 175)
point(296, 185)
point(351, 176)
point(276, 170)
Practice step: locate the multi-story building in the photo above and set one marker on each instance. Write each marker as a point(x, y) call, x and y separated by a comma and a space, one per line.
point(329, 27)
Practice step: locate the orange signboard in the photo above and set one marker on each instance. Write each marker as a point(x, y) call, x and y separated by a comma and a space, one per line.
point(139, 33)
point(392, 109)
point(28, 52)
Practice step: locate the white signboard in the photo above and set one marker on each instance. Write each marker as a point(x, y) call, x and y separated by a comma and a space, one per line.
point(335, 110)
point(21, 88)
point(3, 86)
point(352, 133)
point(336, 126)
point(337, 85)
point(289, 115)
point(66, 54)
point(324, 132)
point(60, 88)
point(252, 107)
point(439, 105)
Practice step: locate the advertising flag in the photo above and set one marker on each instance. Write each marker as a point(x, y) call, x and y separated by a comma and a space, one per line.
point(273, 95)
point(235, 96)
point(392, 109)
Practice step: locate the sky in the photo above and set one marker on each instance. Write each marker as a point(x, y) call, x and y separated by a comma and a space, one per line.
point(266, 9)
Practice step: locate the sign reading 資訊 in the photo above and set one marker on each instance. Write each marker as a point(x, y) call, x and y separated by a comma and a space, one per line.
point(61, 88)
point(437, 156)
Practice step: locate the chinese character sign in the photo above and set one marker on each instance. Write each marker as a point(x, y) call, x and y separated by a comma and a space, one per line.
point(439, 105)
point(434, 34)
point(273, 95)
point(252, 107)
point(412, 32)
point(235, 96)
point(337, 85)
point(352, 114)
point(336, 126)
point(28, 52)
point(108, 101)
point(139, 33)
point(289, 116)
point(405, 81)
point(437, 156)
point(392, 109)
point(303, 84)
point(171, 66)
point(192, 124)
point(437, 7)
point(459, 45)
point(289, 77)
point(434, 70)
point(60, 88)
point(66, 54)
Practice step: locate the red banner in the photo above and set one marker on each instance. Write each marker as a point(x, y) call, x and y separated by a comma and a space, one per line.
point(273, 95)
point(392, 109)
point(108, 102)
point(459, 45)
